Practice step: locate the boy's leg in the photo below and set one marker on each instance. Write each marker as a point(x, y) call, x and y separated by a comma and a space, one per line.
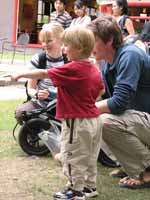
point(74, 151)
point(69, 154)
point(96, 137)
point(128, 137)
point(76, 146)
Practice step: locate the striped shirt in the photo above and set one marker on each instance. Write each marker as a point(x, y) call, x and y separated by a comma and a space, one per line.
point(46, 83)
point(63, 18)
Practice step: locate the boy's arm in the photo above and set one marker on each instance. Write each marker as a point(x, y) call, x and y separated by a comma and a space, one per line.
point(34, 74)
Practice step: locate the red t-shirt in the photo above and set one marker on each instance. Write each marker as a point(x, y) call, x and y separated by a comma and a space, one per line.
point(79, 84)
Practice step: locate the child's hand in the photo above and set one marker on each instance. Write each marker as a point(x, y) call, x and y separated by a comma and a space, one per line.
point(11, 77)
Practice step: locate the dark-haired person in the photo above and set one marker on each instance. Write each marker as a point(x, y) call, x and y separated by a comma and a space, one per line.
point(145, 34)
point(125, 111)
point(61, 15)
point(120, 12)
point(82, 18)
point(143, 39)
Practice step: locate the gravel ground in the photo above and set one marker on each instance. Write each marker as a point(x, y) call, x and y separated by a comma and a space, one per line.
point(12, 92)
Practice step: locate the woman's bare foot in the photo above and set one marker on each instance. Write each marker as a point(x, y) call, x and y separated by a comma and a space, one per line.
point(143, 181)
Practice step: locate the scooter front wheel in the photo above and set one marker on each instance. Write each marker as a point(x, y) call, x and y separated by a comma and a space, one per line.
point(28, 137)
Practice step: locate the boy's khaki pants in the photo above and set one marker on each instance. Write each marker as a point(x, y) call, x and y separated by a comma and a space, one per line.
point(128, 137)
point(80, 146)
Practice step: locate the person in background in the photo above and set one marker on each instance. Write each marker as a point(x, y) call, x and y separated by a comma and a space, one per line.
point(145, 34)
point(120, 12)
point(40, 91)
point(79, 85)
point(60, 15)
point(142, 40)
point(125, 110)
point(82, 18)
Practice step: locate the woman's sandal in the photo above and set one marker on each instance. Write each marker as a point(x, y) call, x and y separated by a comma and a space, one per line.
point(118, 173)
point(135, 183)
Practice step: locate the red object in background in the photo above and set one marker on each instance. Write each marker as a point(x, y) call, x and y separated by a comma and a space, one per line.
point(16, 5)
point(106, 8)
point(138, 3)
point(28, 11)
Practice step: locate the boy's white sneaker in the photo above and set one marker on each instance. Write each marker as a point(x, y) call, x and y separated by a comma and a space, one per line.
point(90, 192)
point(69, 194)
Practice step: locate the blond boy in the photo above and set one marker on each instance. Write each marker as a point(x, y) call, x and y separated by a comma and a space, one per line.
point(79, 84)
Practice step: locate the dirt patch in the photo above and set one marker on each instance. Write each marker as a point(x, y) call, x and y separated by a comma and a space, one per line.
point(29, 178)
point(24, 177)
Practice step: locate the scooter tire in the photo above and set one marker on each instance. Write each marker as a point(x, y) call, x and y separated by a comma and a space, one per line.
point(29, 140)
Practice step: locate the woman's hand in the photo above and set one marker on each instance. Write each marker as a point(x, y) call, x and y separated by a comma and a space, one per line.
point(42, 94)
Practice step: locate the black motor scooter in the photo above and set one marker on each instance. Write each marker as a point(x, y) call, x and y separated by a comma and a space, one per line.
point(40, 134)
point(40, 131)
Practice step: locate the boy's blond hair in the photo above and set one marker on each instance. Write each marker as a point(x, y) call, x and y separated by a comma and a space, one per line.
point(79, 38)
point(50, 30)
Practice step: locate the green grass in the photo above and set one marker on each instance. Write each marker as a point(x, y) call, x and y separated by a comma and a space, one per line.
point(18, 56)
point(50, 177)
point(7, 120)
point(7, 123)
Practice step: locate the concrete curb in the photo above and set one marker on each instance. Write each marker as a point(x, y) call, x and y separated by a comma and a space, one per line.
point(7, 69)
point(7, 82)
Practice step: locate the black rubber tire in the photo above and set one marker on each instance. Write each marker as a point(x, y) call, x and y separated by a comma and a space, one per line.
point(28, 137)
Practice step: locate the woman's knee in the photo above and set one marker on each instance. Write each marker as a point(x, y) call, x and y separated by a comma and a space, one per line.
point(110, 124)
point(107, 120)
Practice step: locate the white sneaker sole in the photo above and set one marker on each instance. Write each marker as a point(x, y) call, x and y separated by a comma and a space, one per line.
point(92, 194)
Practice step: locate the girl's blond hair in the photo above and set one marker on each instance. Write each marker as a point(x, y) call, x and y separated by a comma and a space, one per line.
point(51, 30)
point(79, 38)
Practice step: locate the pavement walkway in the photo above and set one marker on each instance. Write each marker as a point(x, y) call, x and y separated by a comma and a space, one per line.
point(12, 90)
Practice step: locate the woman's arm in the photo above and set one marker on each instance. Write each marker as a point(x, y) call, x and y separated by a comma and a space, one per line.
point(129, 26)
point(32, 87)
point(33, 92)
